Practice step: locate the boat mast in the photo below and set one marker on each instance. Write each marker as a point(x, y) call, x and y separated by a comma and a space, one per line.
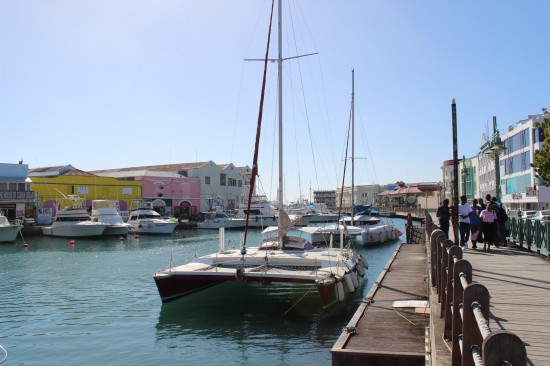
point(352, 144)
point(280, 87)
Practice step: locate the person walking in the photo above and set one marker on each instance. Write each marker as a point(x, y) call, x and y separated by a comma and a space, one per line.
point(474, 223)
point(487, 222)
point(444, 215)
point(464, 212)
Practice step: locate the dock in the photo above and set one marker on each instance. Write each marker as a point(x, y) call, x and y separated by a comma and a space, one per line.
point(389, 328)
point(483, 308)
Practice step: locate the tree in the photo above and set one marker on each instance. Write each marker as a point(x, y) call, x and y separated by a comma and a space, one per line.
point(541, 160)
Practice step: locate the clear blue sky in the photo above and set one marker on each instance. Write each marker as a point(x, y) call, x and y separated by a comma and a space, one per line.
point(107, 84)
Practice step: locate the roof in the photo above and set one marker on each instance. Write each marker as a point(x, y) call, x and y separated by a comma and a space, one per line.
point(56, 171)
point(166, 167)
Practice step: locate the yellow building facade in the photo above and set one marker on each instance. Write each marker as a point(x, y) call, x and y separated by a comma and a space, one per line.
point(52, 187)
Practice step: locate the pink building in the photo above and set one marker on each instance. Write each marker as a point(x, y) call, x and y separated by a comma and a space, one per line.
point(179, 195)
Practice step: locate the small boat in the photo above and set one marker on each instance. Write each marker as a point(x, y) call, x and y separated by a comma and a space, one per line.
point(217, 220)
point(8, 231)
point(73, 221)
point(148, 221)
point(107, 212)
point(374, 231)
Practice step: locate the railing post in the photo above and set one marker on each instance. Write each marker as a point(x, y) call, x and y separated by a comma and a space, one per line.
point(439, 264)
point(503, 346)
point(433, 253)
point(461, 266)
point(454, 252)
point(471, 334)
point(447, 244)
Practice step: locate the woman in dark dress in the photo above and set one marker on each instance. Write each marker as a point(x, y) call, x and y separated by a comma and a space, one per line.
point(487, 220)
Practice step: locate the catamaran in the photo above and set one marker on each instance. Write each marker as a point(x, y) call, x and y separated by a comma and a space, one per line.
point(333, 272)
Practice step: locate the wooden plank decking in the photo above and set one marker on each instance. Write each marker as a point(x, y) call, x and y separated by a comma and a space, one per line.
point(380, 334)
point(519, 284)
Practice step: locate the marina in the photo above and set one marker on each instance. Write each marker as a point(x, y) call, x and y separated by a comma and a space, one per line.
point(95, 302)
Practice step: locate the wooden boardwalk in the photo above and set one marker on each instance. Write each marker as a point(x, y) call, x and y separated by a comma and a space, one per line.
point(519, 284)
point(382, 332)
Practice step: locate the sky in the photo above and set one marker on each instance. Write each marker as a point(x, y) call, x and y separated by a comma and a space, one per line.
point(107, 84)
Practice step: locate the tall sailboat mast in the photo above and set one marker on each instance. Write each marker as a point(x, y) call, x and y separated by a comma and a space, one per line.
point(280, 87)
point(352, 144)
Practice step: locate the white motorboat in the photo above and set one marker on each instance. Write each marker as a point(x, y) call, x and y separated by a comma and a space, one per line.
point(148, 221)
point(8, 231)
point(73, 220)
point(217, 220)
point(332, 272)
point(262, 213)
point(374, 231)
point(107, 212)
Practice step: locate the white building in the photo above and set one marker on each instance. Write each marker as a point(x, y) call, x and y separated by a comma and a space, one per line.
point(517, 176)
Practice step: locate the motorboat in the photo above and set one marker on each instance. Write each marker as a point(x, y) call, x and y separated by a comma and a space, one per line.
point(148, 221)
point(313, 214)
point(73, 220)
point(217, 220)
point(260, 211)
point(374, 231)
point(8, 231)
point(108, 212)
point(333, 272)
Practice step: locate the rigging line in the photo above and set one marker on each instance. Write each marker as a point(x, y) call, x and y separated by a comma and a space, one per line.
point(304, 99)
point(258, 130)
point(345, 164)
point(300, 299)
point(364, 135)
point(326, 118)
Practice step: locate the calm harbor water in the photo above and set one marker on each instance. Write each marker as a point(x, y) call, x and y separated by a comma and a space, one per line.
point(96, 303)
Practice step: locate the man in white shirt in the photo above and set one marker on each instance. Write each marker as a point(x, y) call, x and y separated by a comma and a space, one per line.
point(464, 212)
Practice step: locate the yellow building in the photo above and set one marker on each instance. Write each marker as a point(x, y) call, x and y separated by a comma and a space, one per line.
point(53, 183)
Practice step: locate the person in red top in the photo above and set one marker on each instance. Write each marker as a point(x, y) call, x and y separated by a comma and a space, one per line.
point(487, 222)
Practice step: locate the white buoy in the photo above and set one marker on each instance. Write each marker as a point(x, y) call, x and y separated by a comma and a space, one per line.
point(340, 294)
point(349, 282)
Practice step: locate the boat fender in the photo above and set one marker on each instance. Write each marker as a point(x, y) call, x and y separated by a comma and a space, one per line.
point(360, 269)
point(349, 282)
point(354, 279)
point(371, 238)
point(140, 226)
point(340, 294)
point(240, 274)
point(364, 261)
point(399, 233)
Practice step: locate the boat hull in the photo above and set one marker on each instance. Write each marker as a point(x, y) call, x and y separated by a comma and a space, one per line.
point(154, 228)
point(117, 230)
point(378, 234)
point(75, 230)
point(8, 233)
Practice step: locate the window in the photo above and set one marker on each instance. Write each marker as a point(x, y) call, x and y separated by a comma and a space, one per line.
point(240, 183)
point(206, 179)
point(232, 182)
point(223, 181)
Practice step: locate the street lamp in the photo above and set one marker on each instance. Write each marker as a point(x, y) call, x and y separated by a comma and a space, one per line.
point(465, 174)
point(496, 147)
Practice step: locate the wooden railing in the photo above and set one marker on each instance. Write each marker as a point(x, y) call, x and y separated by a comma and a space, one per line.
point(465, 308)
point(531, 234)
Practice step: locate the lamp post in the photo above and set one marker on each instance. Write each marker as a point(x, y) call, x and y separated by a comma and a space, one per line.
point(496, 147)
point(465, 175)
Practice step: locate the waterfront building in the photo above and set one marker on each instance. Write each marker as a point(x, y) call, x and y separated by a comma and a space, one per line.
point(424, 195)
point(362, 195)
point(220, 186)
point(53, 183)
point(327, 197)
point(520, 187)
point(17, 200)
